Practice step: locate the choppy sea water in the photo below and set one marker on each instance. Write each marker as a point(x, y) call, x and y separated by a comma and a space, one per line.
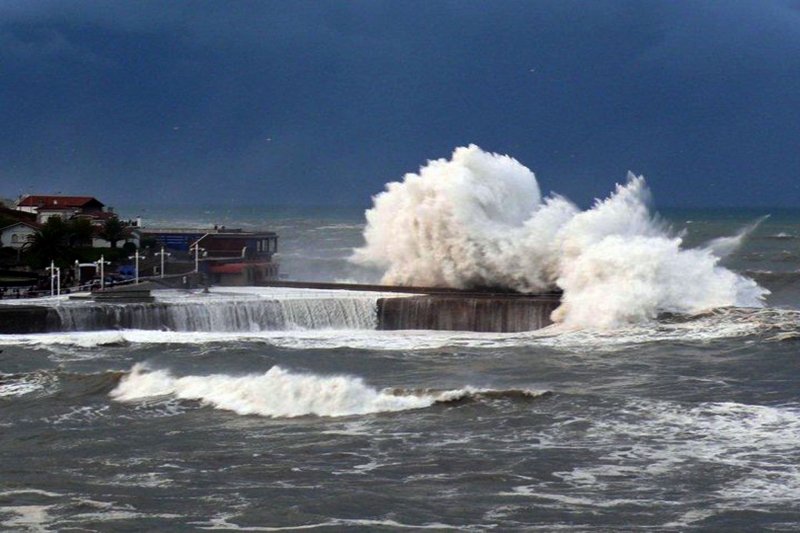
point(683, 423)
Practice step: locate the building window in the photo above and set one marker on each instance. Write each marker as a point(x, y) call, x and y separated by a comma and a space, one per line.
point(15, 238)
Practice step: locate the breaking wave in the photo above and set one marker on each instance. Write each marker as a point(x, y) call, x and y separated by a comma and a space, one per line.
point(479, 220)
point(279, 393)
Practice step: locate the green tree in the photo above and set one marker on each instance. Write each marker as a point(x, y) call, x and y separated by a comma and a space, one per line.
point(81, 231)
point(148, 242)
point(113, 231)
point(49, 243)
point(129, 248)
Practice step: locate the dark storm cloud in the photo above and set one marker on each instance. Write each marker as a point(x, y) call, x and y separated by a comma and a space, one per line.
point(324, 102)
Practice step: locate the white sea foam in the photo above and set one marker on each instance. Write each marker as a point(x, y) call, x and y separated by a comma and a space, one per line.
point(226, 522)
point(776, 324)
point(276, 393)
point(647, 450)
point(26, 517)
point(21, 384)
point(650, 441)
point(479, 219)
point(18, 388)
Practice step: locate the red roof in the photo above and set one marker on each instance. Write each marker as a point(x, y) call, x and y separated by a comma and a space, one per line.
point(67, 201)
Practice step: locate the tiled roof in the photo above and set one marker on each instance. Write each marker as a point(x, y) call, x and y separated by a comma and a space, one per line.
point(69, 201)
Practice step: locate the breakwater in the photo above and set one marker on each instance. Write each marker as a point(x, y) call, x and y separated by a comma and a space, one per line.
point(286, 309)
point(469, 313)
point(24, 319)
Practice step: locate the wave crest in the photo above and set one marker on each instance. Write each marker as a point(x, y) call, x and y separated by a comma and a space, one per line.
point(279, 393)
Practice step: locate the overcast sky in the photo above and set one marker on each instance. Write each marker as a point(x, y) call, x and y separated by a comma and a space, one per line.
point(323, 102)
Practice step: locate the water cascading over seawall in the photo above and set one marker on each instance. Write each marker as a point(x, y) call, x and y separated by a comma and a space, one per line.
point(328, 310)
point(237, 316)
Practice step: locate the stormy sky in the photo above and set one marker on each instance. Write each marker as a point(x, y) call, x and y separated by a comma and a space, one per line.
point(323, 102)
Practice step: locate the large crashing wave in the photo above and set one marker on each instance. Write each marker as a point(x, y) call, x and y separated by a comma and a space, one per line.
point(479, 220)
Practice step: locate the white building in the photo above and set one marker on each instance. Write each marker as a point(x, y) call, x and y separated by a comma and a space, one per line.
point(17, 235)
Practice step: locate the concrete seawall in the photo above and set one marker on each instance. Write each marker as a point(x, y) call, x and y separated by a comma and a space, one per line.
point(466, 313)
point(26, 319)
point(424, 308)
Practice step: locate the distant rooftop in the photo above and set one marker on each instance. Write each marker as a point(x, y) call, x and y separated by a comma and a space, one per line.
point(32, 200)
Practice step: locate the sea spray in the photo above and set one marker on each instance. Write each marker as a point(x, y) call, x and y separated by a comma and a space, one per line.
point(479, 220)
point(724, 246)
point(453, 226)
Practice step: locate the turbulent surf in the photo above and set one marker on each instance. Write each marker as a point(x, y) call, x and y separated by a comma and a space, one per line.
point(664, 399)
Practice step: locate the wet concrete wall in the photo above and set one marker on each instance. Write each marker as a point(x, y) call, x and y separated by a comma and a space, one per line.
point(27, 319)
point(489, 314)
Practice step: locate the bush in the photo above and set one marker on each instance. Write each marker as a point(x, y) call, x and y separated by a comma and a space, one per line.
point(129, 248)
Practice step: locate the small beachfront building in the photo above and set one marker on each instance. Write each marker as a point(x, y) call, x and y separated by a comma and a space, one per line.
point(17, 235)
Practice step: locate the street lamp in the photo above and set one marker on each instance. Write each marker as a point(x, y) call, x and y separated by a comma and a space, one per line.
point(197, 249)
point(102, 262)
point(162, 253)
point(137, 257)
point(55, 279)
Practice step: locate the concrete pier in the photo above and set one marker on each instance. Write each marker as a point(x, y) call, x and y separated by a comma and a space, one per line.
point(439, 308)
point(466, 313)
point(422, 308)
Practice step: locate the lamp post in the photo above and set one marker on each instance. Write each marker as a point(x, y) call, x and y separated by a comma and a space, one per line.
point(162, 253)
point(136, 256)
point(55, 279)
point(102, 262)
point(197, 249)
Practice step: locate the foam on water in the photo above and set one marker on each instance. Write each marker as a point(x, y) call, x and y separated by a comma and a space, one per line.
point(772, 324)
point(226, 522)
point(276, 393)
point(479, 220)
point(651, 449)
point(51, 511)
point(12, 385)
point(28, 516)
point(757, 440)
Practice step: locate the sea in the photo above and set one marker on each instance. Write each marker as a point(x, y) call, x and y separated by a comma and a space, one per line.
point(683, 420)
